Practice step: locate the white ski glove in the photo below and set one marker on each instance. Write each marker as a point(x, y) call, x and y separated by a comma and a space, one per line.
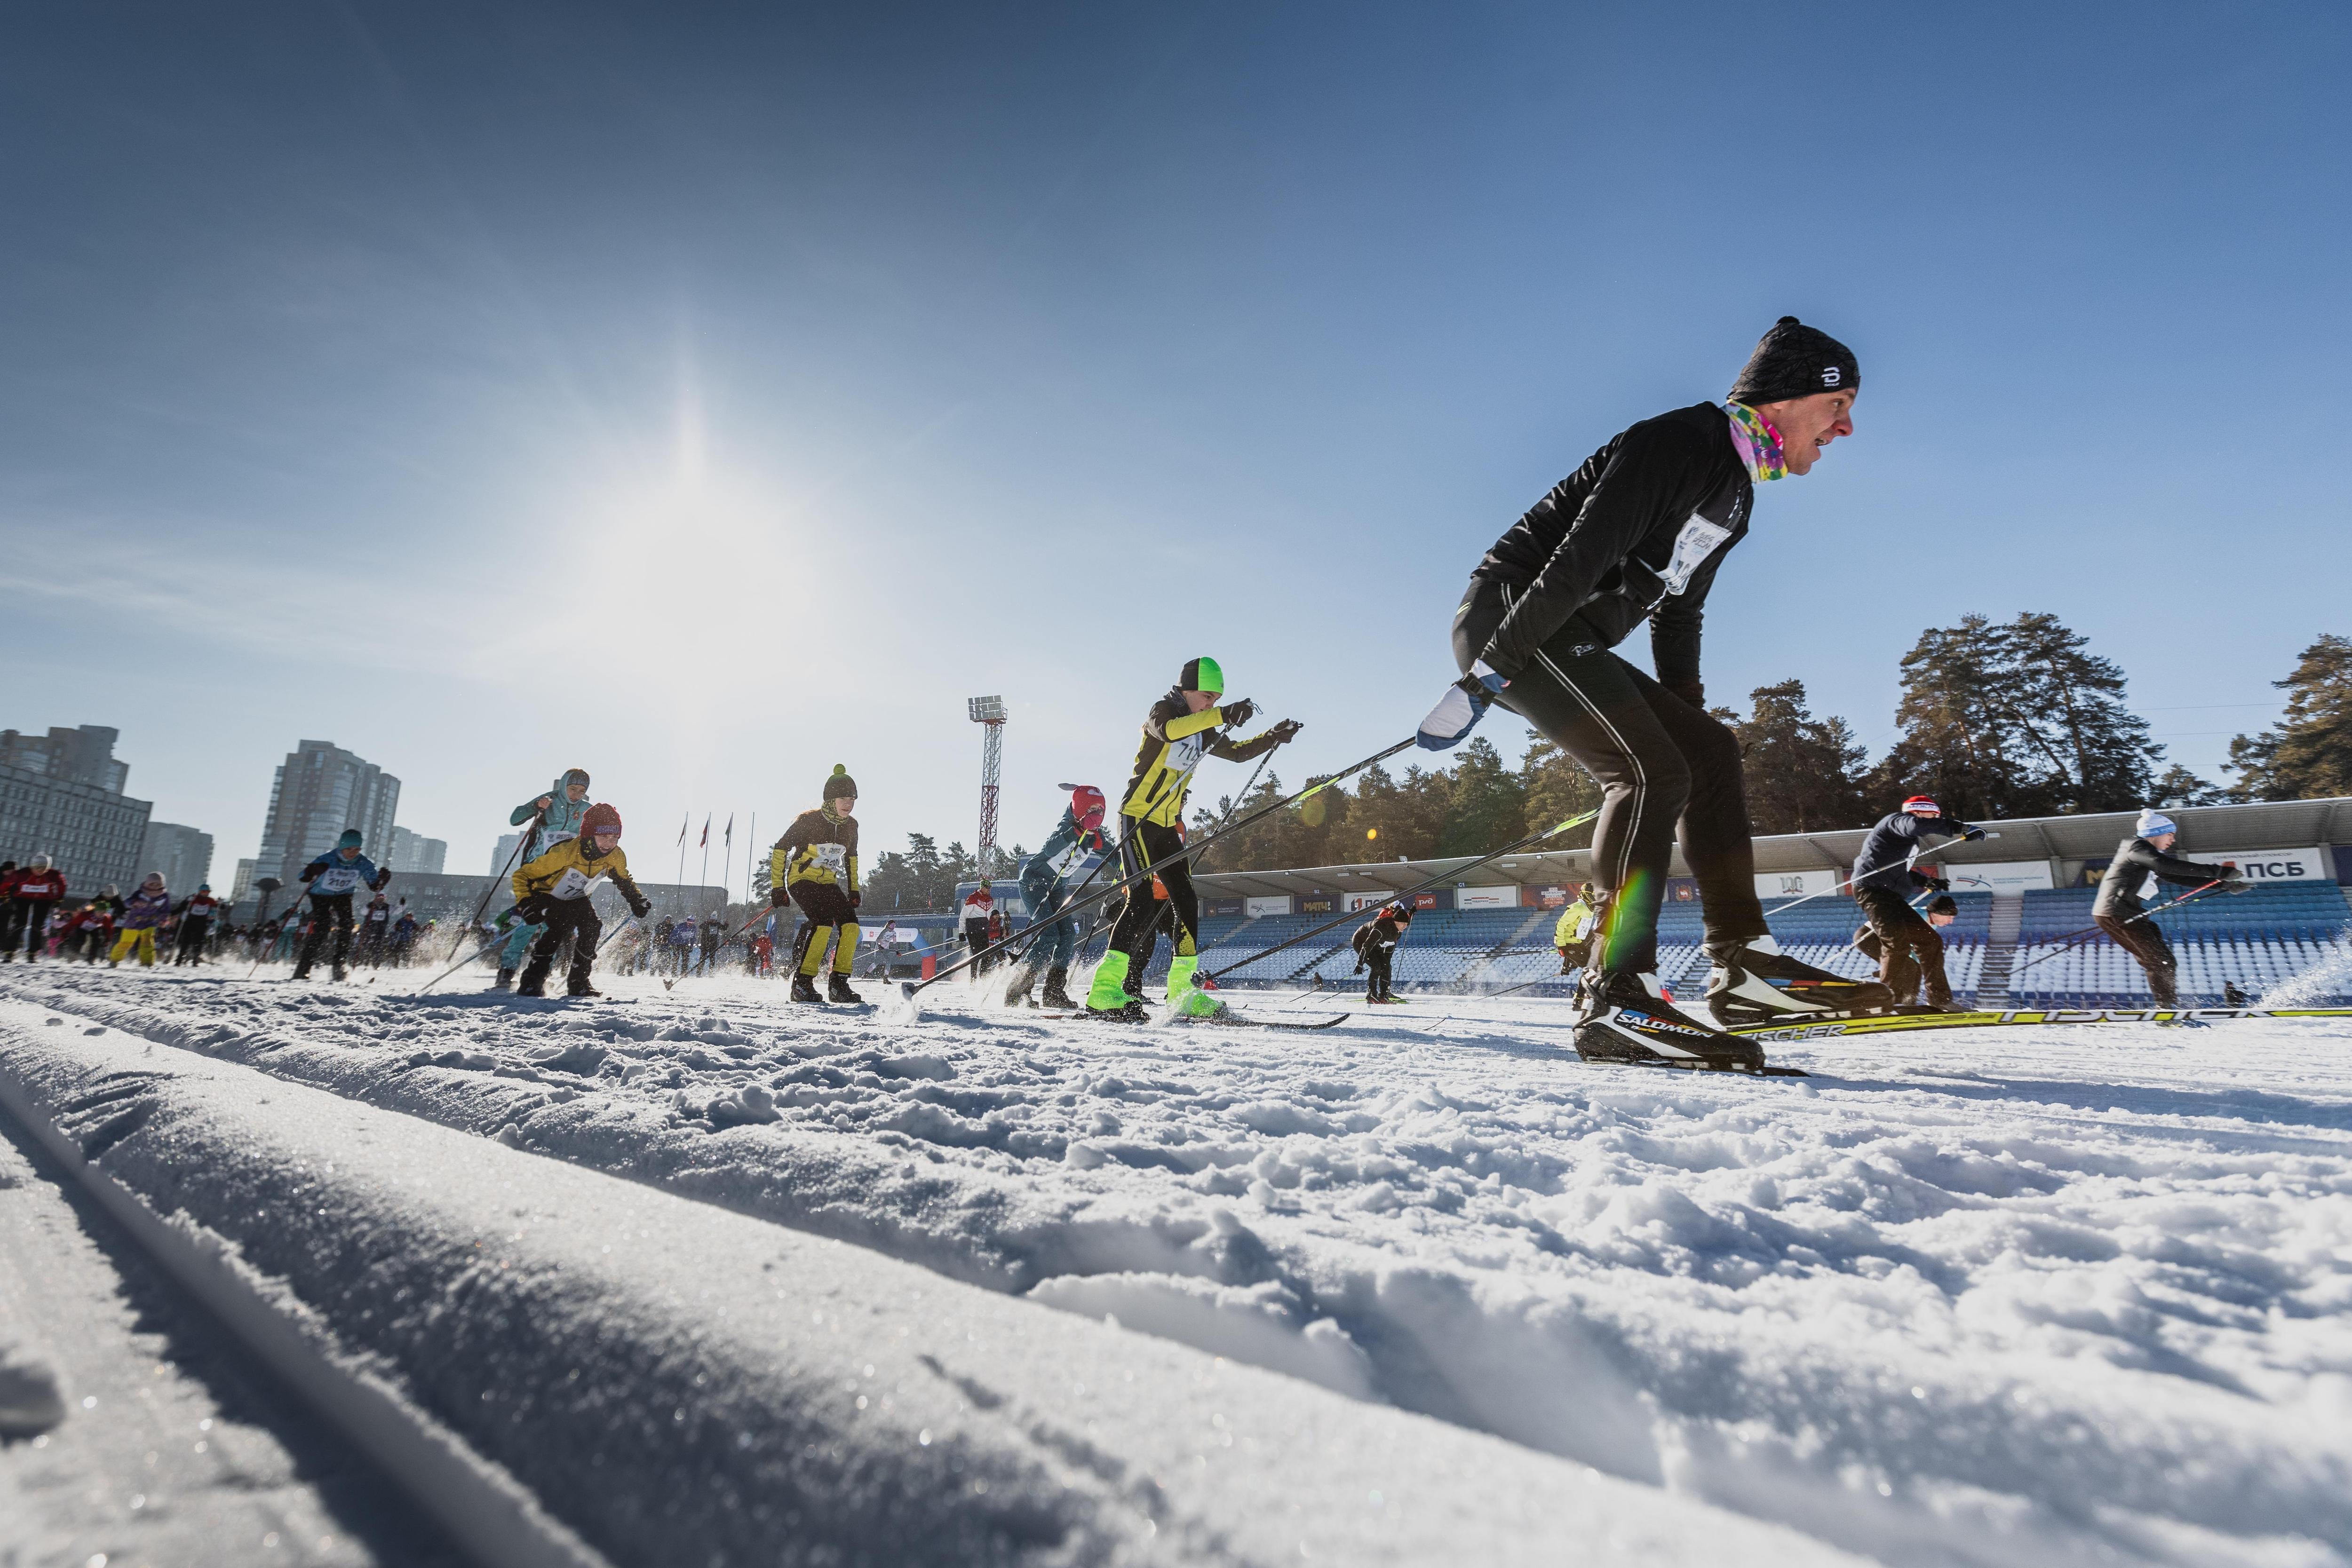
point(1457, 713)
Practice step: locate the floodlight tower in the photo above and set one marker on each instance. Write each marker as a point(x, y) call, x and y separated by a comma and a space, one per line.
point(989, 713)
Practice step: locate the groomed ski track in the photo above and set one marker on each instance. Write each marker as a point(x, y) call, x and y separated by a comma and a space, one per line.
point(2064, 1294)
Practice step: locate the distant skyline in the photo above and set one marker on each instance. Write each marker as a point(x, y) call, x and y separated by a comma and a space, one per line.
point(706, 395)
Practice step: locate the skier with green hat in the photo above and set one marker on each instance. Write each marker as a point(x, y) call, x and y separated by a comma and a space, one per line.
point(1184, 726)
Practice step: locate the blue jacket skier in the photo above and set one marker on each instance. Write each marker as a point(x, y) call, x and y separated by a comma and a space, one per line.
point(554, 817)
point(333, 878)
point(1050, 879)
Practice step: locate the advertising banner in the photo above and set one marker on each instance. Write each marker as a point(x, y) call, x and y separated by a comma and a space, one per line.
point(1259, 908)
point(2270, 865)
point(1356, 901)
point(1795, 884)
point(1435, 898)
point(1211, 908)
point(1500, 895)
point(1316, 904)
point(1999, 876)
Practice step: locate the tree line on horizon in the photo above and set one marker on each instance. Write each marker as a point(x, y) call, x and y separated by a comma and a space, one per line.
point(1997, 719)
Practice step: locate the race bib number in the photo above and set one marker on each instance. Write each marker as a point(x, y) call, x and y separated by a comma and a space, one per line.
point(832, 857)
point(1698, 540)
point(572, 885)
point(1071, 860)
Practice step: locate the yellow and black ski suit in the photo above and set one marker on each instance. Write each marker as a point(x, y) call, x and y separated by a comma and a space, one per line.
point(556, 887)
point(1175, 740)
point(816, 865)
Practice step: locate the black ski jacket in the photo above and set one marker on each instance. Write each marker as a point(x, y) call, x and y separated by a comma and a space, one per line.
point(1893, 842)
point(1382, 932)
point(1635, 534)
point(2136, 861)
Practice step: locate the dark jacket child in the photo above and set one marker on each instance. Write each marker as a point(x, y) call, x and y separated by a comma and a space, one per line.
point(2139, 864)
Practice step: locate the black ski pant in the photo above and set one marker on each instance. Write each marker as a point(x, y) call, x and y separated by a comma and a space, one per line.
point(1136, 932)
point(975, 937)
point(826, 916)
point(327, 909)
point(2141, 939)
point(1905, 946)
point(1376, 959)
point(1668, 773)
point(28, 921)
point(193, 934)
point(572, 920)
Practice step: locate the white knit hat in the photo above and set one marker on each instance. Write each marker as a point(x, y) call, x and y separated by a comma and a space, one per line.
point(2152, 822)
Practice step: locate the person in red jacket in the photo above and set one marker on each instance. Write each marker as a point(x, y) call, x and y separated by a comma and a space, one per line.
point(35, 892)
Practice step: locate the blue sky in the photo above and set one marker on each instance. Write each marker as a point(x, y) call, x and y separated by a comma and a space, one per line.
point(705, 395)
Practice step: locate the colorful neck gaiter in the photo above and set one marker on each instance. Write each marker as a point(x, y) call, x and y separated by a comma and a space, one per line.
point(1758, 443)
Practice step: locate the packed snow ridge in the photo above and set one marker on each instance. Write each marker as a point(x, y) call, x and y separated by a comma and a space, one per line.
point(2027, 1296)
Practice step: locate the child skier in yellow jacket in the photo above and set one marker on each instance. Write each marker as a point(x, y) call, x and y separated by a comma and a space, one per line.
point(553, 892)
point(815, 865)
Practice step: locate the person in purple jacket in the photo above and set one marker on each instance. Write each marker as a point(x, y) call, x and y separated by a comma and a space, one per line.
point(144, 911)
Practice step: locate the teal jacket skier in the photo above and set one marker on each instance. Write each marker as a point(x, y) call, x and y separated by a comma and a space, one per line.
point(1072, 854)
point(559, 812)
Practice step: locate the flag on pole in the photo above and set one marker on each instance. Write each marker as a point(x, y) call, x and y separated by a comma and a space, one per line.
point(684, 823)
point(729, 841)
point(706, 834)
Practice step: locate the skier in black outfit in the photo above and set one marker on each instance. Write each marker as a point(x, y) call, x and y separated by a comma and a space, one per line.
point(1375, 941)
point(1885, 880)
point(1637, 534)
point(2140, 862)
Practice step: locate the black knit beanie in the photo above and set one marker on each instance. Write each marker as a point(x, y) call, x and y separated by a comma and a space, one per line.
point(841, 784)
point(1795, 361)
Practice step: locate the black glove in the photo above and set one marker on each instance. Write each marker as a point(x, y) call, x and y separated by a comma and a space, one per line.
point(1692, 691)
point(1238, 714)
point(536, 909)
point(1283, 732)
point(1940, 884)
point(640, 908)
point(1359, 965)
point(2234, 880)
point(778, 898)
point(1972, 833)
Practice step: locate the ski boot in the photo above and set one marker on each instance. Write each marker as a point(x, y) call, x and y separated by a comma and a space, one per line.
point(582, 988)
point(1754, 982)
point(302, 971)
point(805, 990)
point(1133, 1011)
point(1107, 998)
point(1625, 1017)
point(1057, 995)
point(505, 982)
point(1017, 990)
point(837, 989)
point(341, 973)
point(526, 986)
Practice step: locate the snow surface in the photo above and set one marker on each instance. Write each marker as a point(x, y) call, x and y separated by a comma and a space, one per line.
point(138, 1436)
point(682, 1386)
point(2032, 1296)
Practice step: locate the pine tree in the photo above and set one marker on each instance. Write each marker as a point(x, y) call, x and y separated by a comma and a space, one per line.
point(2066, 704)
point(2307, 755)
point(1556, 787)
point(1805, 775)
point(2017, 720)
point(1487, 802)
point(2180, 787)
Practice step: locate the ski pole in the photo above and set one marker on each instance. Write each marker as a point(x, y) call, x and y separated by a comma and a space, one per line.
point(529, 833)
point(290, 909)
point(907, 989)
point(1512, 848)
point(2091, 932)
point(1847, 882)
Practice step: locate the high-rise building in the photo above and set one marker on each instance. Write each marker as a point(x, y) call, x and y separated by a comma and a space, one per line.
point(61, 795)
point(415, 853)
point(320, 790)
point(507, 844)
point(242, 888)
point(184, 855)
